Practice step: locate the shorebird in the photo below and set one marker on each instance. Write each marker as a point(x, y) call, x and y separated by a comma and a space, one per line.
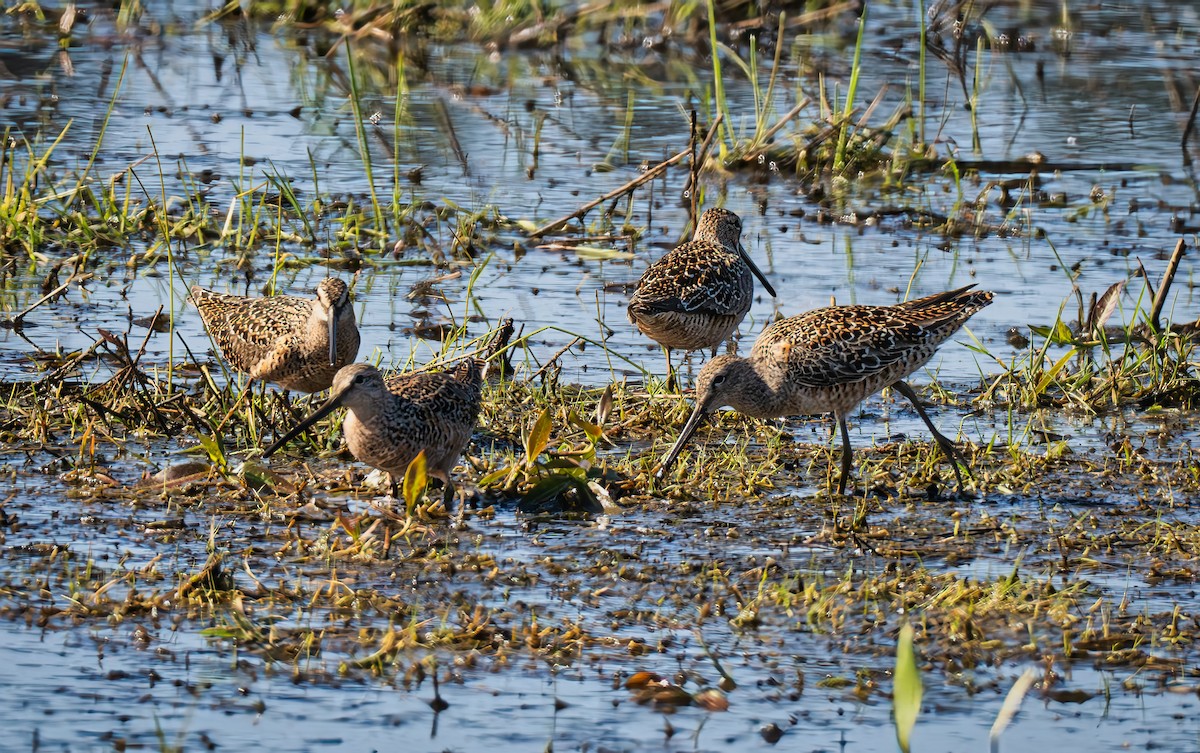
point(831, 359)
point(391, 420)
point(296, 343)
point(694, 297)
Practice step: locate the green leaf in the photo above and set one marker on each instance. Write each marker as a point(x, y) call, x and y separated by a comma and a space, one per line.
point(559, 464)
point(546, 489)
point(593, 431)
point(538, 438)
point(1063, 334)
point(258, 477)
point(215, 448)
point(1059, 334)
point(906, 690)
point(1049, 376)
point(414, 482)
point(493, 477)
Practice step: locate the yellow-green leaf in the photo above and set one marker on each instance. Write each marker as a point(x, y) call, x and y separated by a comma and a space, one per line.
point(538, 437)
point(1059, 334)
point(493, 477)
point(1063, 334)
point(414, 482)
point(1049, 376)
point(592, 431)
point(906, 689)
point(258, 477)
point(215, 449)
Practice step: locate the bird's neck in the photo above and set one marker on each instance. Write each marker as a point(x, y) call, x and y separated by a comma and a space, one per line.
point(318, 324)
point(760, 393)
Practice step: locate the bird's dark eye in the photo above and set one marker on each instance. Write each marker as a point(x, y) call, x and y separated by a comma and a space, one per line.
point(360, 379)
point(719, 379)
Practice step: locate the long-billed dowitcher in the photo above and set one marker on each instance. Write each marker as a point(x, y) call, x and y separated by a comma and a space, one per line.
point(831, 359)
point(391, 420)
point(694, 297)
point(296, 343)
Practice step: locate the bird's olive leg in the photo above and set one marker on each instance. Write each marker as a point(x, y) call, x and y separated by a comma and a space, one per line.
point(847, 454)
point(672, 380)
point(948, 447)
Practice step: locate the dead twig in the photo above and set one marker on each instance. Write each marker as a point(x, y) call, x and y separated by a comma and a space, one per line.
point(694, 176)
point(129, 372)
point(650, 174)
point(444, 113)
point(55, 376)
point(497, 342)
point(689, 189)
point(16, 322)
point(546, 366)
point(1160, 295)
point(1191, 124)
point(804, 19)
point(499, 347)
point(763, 140)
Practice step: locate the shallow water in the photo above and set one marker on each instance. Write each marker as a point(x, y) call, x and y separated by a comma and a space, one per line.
point(1109, 114)
point(90, 686)
point(97, 687)
point(198, 700)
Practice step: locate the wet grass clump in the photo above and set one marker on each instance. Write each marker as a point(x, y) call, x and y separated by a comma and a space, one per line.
point(1005, 573)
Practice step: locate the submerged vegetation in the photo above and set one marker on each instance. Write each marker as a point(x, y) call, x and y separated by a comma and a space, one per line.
point(141, 504)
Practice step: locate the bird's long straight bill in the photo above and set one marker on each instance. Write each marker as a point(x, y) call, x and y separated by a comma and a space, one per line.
point(333, 324)
point(757, 272)
point(333, 402)
point(689, 429)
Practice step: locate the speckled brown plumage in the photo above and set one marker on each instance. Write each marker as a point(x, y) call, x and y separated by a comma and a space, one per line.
point(695, 296)
point(283, 339)
point(829, 360)
point(391, 420)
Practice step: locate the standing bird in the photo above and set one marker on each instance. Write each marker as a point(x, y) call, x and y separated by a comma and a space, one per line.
point(831, 359)
point(391, 420)
point(695, 296)
point(296, 343)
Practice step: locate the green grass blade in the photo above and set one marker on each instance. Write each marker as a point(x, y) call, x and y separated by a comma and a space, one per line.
point(844, 132)
point(722, 107)
point(906, 691)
